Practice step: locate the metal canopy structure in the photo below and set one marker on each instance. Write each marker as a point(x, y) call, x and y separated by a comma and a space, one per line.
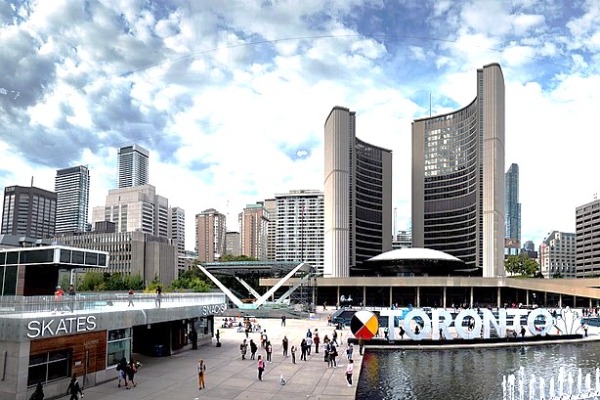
point(284, 270)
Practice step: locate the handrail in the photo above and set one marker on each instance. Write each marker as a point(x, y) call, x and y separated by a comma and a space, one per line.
point(98, 301)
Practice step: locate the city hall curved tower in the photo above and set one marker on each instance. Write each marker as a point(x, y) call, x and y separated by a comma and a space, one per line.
point(358, 196)
point(458, 178)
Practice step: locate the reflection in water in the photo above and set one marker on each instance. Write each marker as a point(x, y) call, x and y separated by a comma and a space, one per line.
point(465, 373)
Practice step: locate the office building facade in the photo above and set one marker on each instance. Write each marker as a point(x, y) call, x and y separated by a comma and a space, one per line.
point(458, 178)
point(132, 165)
point(587, 224)
point(300, 227)
point(131, 253)
point(557, 256)
point(135, 209)
point(72, 187)
point(512, 207)
point(403, 239)
point(254, 222)
point(232, 244)
point(28, 211)
point(211, 227)
point(358, 196)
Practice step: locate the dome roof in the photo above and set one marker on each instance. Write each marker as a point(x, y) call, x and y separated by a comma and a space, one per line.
point(414, 253)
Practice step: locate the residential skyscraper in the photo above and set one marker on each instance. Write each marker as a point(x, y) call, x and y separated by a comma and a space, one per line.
point(458, 178)
point(72, 187)
point(211, 227)
point(587, 225)
point(254, 221)
point(300, 225)
point(177, 234)
point(512, 207)
point(28, 211)
point(358, 196)
point(557, 255)
point(132, 164)
point(135, 209)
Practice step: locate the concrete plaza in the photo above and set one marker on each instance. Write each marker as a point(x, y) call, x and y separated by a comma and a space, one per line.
point(230, 377)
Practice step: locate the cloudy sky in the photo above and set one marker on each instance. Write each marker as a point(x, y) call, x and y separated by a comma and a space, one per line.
point(230, 97)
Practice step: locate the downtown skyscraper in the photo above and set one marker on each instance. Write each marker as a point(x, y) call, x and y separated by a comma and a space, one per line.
point(358, 196)
point(458, 178)
point(72, 187)
point(513, 210)
point(211, 227)
point(132, 165)
point(28, 211)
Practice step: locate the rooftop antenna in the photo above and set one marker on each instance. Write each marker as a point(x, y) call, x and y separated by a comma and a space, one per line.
point(32, 181)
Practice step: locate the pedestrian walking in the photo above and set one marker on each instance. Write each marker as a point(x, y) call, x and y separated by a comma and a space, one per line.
point(284, 345)
point(243, 349)
point(316, 341)
point(332, 355)
point(283, 320)
point(38, 394)
point(261, 367)
point(201, 374)
point(349, 352)
point(334, 337)
point(263, 339)
point(309, 342)
point(58, 299)
point(122, 372)
point(218, 337)
point(269, 351)
point(158, 297)
point(71, 294)
point(303, 350)
point(130, 297)
point(349, 371)
point(293, 351)
point(585, 329)
point(253, 349)
point(74, 389)
point(131, 371)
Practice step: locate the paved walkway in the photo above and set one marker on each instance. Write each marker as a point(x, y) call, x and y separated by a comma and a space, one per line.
point(230, 377)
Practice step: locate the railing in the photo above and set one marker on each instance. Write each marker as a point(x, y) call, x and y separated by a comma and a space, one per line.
point(100, 301)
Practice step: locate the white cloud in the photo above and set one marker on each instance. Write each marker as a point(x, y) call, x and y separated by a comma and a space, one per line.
point(229, 122)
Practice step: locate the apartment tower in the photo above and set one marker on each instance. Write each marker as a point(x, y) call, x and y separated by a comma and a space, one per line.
point(211, 227)
point(458, 178)
point(132, 165)
point(300, 227)
point(358, 196)
point(254, 222)
point(72, 187)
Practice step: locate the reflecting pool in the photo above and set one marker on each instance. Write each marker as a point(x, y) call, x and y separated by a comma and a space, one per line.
point(475, 373)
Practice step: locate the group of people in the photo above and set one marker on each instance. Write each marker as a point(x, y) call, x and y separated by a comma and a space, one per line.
point(126, 372)
point(59, 295)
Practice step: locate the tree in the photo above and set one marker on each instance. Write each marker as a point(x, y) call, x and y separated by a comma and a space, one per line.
point(92, 282)
point(521, 265)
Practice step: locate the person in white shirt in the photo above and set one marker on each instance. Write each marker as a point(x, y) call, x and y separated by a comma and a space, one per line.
point(349, 370)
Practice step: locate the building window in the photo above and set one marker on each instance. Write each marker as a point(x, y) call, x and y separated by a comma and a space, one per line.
point(49, 366)
point(118, 346)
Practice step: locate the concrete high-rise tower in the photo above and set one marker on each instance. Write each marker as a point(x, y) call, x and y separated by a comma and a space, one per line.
point(358, 196)
point(72, 187)
point(458, 178)
point(254, 222)
point(211, 227)
point(133, 166)
point(299, 234)
point(513, 209)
